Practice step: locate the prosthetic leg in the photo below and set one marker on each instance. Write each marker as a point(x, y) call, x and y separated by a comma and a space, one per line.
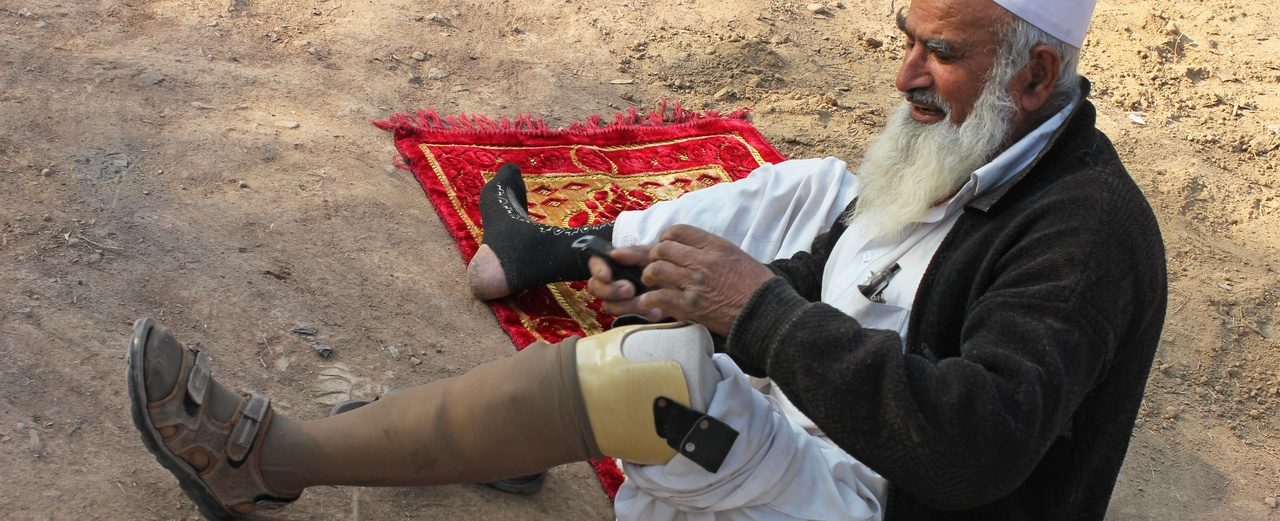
point(632, 393)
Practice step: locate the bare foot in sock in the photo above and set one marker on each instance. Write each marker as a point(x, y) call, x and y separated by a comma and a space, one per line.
point(519, 253)
point(485, 275)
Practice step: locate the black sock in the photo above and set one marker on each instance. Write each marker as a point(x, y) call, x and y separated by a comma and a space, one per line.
point(531, 254)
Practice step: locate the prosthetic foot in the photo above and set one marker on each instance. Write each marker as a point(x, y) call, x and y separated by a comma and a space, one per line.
point(518, 253)
point(206, 435)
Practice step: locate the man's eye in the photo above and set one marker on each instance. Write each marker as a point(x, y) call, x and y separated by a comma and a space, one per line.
point(942, 53)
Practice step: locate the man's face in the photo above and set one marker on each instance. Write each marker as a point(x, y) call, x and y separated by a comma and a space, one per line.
point(952, 123)
point(951, 46)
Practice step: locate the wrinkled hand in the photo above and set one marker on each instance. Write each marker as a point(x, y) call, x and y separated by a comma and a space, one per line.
point(701, 277)
point(693, 275)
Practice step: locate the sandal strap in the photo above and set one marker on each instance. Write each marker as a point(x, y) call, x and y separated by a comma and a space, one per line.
point(198, 379)
point(246, 430)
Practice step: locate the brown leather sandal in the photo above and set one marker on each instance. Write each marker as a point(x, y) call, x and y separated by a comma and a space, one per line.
point(213, 460)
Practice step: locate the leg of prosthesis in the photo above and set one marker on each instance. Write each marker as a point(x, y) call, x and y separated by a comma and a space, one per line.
point(545, 406)
point(516, 415)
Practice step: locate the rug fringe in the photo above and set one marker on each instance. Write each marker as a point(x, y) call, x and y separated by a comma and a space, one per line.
point(429, 119)
point(665, 114)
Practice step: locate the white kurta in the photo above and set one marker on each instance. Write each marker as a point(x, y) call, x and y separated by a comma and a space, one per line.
point(771, 214)
point(775, 471)
point(782, 467)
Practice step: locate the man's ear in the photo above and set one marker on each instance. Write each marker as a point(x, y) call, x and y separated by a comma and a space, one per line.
point(1032, 86)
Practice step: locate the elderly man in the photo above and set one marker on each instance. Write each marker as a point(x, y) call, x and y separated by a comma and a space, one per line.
point(972, 335)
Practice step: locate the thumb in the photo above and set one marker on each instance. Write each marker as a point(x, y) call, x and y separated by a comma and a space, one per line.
point(631, 256)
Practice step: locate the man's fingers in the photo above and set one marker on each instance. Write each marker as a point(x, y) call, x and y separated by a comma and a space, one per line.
point(631, 256)
point(666, 274)
point(601, 283)
point(691, 235)
point(674, 301)
point(611, 290)
point(599, 269)
point(675, 252)
point(631, 307)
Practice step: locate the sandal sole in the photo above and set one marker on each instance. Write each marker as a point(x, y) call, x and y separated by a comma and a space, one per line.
point(188, 478)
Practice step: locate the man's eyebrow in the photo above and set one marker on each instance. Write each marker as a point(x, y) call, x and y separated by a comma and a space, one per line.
point(936, 45)
point(942, 47)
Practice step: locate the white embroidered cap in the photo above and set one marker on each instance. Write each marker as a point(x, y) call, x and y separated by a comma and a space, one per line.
point(1066, 20)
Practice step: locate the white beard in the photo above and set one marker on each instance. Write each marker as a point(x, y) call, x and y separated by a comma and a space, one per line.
point(913, 166)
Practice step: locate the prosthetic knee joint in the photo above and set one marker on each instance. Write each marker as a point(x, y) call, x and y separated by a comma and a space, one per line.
point(646, 389)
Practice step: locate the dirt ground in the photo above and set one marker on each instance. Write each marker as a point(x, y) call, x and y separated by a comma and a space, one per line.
point(210, 163)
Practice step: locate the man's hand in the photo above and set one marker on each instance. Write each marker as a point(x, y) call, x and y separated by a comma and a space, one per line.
point(619, 296)
point(701, 277)
point(693, 275)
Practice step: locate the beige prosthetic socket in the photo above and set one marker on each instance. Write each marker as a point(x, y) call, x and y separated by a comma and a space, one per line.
point(623, 370)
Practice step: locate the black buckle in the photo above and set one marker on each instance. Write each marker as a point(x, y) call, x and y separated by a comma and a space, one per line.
point(700, 437)
point(637, 320)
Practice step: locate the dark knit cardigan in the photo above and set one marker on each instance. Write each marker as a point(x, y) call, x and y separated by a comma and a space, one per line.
point(1029, 345)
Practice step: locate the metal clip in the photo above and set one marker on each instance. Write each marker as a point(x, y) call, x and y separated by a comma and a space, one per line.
point(874, 288)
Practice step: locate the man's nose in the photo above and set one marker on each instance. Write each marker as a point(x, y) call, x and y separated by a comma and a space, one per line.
point(913, 74)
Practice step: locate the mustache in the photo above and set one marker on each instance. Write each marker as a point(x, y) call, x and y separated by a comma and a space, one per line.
point(927, 97)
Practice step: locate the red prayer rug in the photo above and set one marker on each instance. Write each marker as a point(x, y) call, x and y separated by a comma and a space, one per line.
point(585, 174)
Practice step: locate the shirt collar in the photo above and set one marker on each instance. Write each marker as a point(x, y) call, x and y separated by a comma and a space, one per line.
point(1020, 154)
point(1005, 166)
point(1080, 121)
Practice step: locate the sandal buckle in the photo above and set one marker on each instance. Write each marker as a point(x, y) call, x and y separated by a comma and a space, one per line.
point(198, 379)
point(246, 430)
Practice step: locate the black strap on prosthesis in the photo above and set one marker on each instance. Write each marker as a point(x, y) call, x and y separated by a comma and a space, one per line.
point(698, 436)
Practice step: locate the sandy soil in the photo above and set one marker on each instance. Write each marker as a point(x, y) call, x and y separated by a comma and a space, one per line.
point(210, 163)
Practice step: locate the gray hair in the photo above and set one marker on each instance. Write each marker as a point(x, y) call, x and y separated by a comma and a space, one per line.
point(1016, 39)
